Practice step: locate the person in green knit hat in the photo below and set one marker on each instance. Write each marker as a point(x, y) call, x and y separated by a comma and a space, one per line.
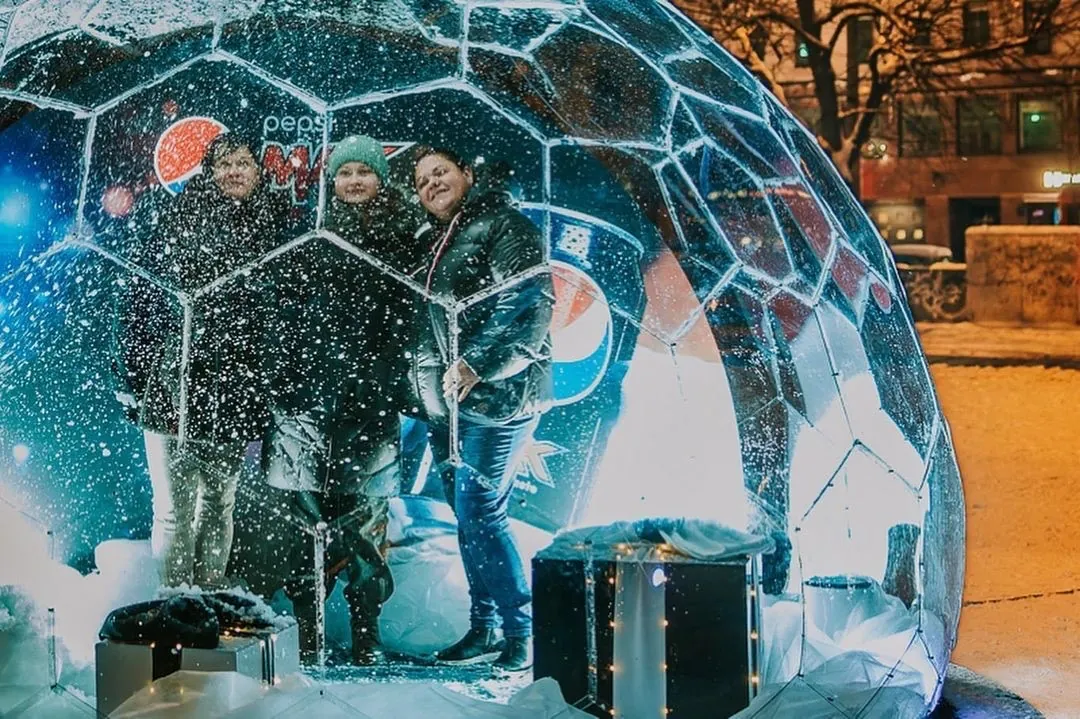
point(337, 389)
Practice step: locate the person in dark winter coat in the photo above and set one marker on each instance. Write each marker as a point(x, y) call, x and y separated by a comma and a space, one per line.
point(193, 373)
point(494, 372)
point(338, 387)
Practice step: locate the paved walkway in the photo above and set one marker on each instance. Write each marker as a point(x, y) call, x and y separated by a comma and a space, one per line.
point(997, 344)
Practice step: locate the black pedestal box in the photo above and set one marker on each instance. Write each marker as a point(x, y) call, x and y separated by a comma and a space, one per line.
point(638, 632)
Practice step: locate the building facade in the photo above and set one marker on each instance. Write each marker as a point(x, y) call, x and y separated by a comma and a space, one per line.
point(995, 142)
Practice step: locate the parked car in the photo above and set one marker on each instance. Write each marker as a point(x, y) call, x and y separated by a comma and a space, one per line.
point(920, 253)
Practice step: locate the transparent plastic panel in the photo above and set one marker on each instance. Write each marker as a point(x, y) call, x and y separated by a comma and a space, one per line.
point(476, 131)
point(644, 26)
point(88, 71)
point(793, 698)
point(750, 142)
point(697, 74)
point(383, 40)
point(942, 567)
point(585, 68)
point(41, 152)
point(517, 29)
point(28, 666)
point(703, 253)
point(708, 48)
point(154, 197)
point(69, 394)
point(676, 418)
point(807, 380)
point(847, 285)
point(522, 88)
point(684, 128)
point(862, 398)
point(440, 20)
point(60, 403)
point(858, 537)
point(739, 206)
point(625, 192)
point(739, 327)
point(899, 368)
point(820, 174)
point(124, 22)
point(808, 231)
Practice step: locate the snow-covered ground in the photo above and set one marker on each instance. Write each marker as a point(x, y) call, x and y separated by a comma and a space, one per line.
point(1017, 436)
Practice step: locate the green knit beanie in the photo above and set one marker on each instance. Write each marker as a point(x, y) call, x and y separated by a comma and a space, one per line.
point(360, 148)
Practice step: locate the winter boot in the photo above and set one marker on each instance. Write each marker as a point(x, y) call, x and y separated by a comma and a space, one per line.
point(517, 655)
point(478, 645)
point(366, 648)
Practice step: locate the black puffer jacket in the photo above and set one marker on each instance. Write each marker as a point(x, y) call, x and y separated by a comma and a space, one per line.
point(339, 370)
point(197, 238)
point(505, 338)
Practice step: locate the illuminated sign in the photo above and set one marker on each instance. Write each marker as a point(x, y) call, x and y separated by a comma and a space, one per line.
point(1055, 179)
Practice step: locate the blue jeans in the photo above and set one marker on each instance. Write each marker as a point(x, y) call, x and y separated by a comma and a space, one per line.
point(479, 493)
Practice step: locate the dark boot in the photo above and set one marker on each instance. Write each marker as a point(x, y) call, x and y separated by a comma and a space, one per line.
point(366, 647)
point(517, 655)
point(478, 645)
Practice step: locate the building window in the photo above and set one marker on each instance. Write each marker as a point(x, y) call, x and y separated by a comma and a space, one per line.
point(759, 39)
point(976, 23)
point(920, 130)
point(1040, 125)
point(860, 37)
point(1037, 24)
point(802, 53)
point(978, 126)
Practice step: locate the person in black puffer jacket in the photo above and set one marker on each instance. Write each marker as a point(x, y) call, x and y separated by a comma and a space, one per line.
point(338, 388)
point(490, 365)
point(193, 379)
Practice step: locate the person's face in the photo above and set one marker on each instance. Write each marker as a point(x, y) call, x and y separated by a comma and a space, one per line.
point(237, 174)
point(355, 183)
point(441, 185)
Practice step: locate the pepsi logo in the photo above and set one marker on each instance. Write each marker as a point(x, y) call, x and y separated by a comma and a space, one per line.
point(581, 333)
point(179, 151)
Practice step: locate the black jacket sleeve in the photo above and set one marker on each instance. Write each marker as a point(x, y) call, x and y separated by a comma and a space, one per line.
point(517, 320)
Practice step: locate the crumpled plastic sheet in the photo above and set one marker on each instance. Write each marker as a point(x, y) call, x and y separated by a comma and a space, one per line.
point(701, 539)
point(848, 655)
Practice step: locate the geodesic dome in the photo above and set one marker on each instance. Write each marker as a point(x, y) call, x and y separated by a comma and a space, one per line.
point(731, 339)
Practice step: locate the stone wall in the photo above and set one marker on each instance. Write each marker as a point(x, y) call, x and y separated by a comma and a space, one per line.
point(1024, 273)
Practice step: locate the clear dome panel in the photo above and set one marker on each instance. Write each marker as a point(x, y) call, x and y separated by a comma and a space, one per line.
point(699, 78)
point(88, 70)
point(583, 64)
point(942, 567)
point(150, 147)
point(702, 251)
point(386, 40)
point(476, 130)
point(41, 153)
point(516, 29)
point(60, 399)
point(646, 27)
point(858, 229)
